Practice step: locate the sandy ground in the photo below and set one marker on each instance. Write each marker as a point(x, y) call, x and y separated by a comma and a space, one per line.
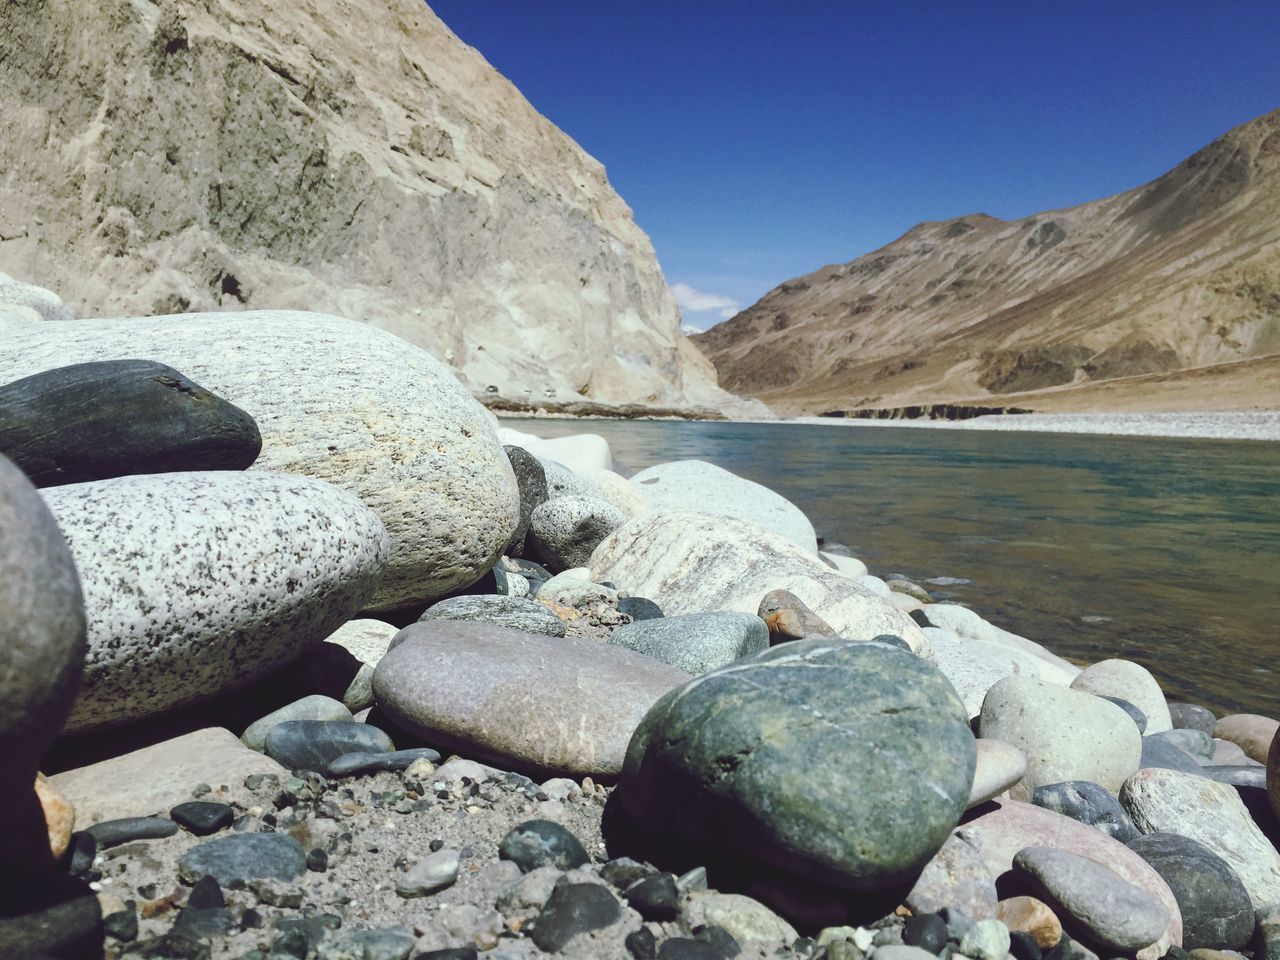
point(1243, 425)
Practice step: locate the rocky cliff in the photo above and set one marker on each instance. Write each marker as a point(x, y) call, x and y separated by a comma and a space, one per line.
point(355, 158)
point(1163, 297)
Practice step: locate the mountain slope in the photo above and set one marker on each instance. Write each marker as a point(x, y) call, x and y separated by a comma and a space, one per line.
point(349, 157)
point(1180, 274)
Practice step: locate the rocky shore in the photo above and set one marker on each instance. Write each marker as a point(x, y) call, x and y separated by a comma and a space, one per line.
point(415, 685)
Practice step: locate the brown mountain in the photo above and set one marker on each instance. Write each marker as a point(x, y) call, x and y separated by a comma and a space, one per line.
point(354, 158)
point(1165, 297)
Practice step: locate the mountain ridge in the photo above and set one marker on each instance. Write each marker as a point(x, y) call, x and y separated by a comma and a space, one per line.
point(1177, 274)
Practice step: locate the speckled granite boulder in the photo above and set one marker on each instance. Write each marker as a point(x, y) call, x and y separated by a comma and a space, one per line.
point(1130, 681)
point(524, 701)
point(695, 642)
point(843, 762)
point(564, 531)
point(367, 412)
point(200, 583)
point(702, 487)
point(697, 562)
point(518, 613)
point(93, 421)
point(42, 643)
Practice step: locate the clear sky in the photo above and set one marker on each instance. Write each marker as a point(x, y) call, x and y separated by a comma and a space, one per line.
point(758, 141)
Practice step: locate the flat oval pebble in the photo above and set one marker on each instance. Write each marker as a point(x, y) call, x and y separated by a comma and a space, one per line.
point(542, 843)
point(313, 707)
point(435, 872)
point(574, 908)
point(202, 817)
point(244, 857)
point(1167, 756)
point(999, 766)
point(1109, 909)
point(255, 568)
point(695, 642)
point(360, 764)
point(536, 703)
point(517, 613)
point(1216, 910)
point(639, 608)
point(313, 744)
point(1004, 827)
point(112, 833)
point(1195, 742)
point(844, 762)
point(113, 418)
point(1089, 803)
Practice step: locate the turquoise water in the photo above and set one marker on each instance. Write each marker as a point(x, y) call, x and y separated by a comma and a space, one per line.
point(1162, 551)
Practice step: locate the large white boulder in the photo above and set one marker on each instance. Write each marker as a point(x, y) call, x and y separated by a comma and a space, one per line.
point(336, 400)
point(973, 666)
point(1128, 681)
point(697, 563)
point(705, 488)
point(579, 452)
point(196, 584)
point(969, 625)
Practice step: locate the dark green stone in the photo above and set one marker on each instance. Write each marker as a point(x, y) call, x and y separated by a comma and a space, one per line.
point(841, 761)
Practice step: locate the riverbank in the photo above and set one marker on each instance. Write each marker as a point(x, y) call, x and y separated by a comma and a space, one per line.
point(1215, 425)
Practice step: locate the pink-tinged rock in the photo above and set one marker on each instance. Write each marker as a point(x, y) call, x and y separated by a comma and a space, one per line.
point(1004, 827)
point(523, 701)
point(1250, 732)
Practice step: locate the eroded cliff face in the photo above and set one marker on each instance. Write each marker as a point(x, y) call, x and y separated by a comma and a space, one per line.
point(1163, 297)
point(348, 157)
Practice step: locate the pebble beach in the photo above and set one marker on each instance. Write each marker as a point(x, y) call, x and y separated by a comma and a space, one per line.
point(312, 661)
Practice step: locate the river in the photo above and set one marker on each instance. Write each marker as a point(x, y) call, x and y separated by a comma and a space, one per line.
point(1163, 551)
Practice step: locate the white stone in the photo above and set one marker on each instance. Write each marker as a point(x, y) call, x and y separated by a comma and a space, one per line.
point(849, 566)
point(746, 919)
point(1000, 765)
point(698, 563)
point(196, 584)
point(966, 623)
point(1128, 681)
point(1169, 801)
point(580, 452)
point(339, 401)
point(514, 437)
point(973, 666)
point(904, 602)
point(564, 531)
point(701, 487)
point(47, 304)
point(875, 585)
point(1065, 734)
point(618, 490)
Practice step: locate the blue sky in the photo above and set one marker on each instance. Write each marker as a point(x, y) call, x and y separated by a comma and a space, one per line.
point(758, 141)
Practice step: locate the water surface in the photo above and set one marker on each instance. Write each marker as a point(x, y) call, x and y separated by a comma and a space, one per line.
point(1162, 551)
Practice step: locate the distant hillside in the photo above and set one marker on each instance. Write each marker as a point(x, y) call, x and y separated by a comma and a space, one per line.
point(1163, 297)
point(354, 158)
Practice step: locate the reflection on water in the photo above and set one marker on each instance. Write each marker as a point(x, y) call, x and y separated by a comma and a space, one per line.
point(1162, 551)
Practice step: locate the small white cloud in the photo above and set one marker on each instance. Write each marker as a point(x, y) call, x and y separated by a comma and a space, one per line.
point(689, 329)
point(695, 301)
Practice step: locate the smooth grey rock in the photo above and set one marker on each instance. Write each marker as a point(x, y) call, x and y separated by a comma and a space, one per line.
point(692, 563)
point(159, 777)
point(730, 762)
point(361, 763)
point(564, 531)
point(42, 648)
point(531, 481)
point(639, 608)
point(1238, 775)
point(1195, 742)
point(314, 744)
point(112, 833)
point(695, 642)
point(702, 487)
point(955, 877)
point(1192, 716)
point(517, 613)
point(93, 421)
point(986, 940)
point(575, 588)
point(314, 707)
point(574, 908)
point(1109, 909)
point(205, 582)
point(437, 871)
point(1216, 910)
point(536, 703)
point(384, 944)
point(1064, 734)
point(367, 412)
point(1251, 732)
point(563, 482)
point(1128, 681)
point(1162, 753)
point(901, 951)
point(1211, 813)
point(244, 857)
point(1089, 803)
point(542, 843)
point(202, 817)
